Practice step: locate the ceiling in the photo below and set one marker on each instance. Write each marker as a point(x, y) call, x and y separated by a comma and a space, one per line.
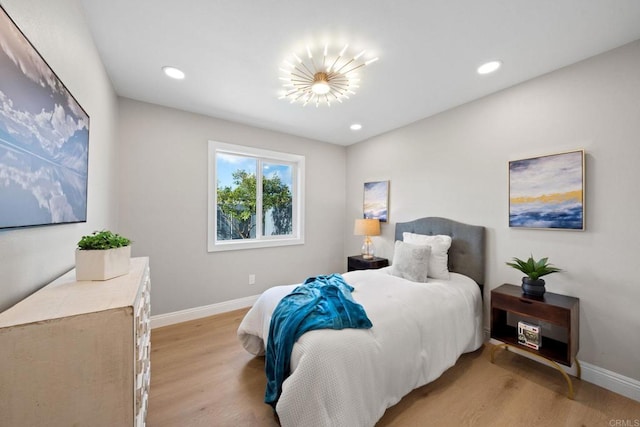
point(428, 50)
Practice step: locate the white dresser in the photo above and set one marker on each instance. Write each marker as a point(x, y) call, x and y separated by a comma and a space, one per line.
point(77, 353)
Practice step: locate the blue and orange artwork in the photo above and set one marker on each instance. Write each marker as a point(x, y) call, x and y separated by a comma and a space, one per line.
point(547, 192)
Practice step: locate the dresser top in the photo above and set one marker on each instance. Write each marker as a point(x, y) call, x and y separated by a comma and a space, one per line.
point(67, 297)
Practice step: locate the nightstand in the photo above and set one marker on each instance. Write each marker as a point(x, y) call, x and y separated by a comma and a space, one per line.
point(357, 262)
point(509, 305)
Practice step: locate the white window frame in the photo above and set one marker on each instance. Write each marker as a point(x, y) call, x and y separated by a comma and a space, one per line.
point(297, 236)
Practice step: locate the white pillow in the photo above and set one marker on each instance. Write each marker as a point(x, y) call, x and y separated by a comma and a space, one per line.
point(411, 262)
point(439, 258)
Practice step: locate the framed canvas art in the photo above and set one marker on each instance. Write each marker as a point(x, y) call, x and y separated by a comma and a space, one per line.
point(376, 200)
point(44, 139)
point(547, 192)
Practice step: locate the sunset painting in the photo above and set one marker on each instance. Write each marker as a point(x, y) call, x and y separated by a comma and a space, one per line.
point(547, 192)
point(376, 199)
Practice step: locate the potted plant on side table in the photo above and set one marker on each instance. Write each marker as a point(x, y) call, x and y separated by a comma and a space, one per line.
point(102, 255)
point(532, 284)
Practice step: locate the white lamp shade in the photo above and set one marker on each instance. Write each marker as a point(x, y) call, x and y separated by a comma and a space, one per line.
point(367, 227)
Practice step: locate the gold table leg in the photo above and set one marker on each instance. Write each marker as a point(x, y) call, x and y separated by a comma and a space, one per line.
point(553, 363)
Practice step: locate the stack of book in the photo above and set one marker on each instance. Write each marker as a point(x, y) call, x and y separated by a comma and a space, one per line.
point(529, 335)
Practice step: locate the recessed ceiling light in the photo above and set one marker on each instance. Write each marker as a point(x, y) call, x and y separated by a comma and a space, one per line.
point(489, 67)
point(355, 126)
point(173, 72)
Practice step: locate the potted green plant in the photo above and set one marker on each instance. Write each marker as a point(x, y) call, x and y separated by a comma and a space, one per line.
point(532, 284)
point(102, 255)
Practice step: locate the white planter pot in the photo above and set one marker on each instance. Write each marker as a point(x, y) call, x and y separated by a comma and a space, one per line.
point(102, 264)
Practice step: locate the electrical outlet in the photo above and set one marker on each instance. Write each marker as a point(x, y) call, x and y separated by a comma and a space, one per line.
point(252, 279)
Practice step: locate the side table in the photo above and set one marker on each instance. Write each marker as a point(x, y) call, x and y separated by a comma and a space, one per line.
point(559, 310)
point(357, 262)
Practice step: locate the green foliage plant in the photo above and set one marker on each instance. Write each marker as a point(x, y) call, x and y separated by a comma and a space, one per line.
point(238, 203)
point(102, 240)
point(532, 268)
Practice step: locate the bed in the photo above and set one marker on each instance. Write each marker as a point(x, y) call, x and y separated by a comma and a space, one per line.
point(351, 376)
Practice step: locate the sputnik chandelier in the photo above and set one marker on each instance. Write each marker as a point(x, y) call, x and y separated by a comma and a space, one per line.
point(322, 80)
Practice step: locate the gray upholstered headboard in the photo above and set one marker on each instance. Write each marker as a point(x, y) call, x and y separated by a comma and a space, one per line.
point(467, 252)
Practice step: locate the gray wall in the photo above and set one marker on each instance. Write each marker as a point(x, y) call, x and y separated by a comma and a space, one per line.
point(152, 176)
point(163, 207)
point(32, 257)
point(455, 165)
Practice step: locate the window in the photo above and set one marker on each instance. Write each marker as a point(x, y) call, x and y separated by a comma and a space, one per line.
point(255, 198)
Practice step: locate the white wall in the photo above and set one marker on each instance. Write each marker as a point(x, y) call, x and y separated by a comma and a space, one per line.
point(163, 188)
point(455, 165)
point(32, 257)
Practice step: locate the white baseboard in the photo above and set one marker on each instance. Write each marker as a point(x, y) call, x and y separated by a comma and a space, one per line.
point(612, 381)
point(200, 312)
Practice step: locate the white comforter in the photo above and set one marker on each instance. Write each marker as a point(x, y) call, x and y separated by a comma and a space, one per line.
point(351, 376)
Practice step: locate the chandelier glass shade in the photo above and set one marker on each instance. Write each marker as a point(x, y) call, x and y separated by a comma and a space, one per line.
point(323, 79)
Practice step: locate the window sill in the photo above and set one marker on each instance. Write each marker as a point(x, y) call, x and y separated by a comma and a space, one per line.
point(236, 245)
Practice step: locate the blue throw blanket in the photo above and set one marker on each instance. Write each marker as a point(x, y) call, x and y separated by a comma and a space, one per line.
point(322, 302)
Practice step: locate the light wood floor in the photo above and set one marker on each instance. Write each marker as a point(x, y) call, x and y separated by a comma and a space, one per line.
point(201, 376)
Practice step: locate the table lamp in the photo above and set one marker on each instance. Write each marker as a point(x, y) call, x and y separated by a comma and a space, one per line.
point(367, 227)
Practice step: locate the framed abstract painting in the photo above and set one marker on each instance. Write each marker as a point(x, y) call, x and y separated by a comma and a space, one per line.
point(376, 200)
point(44, 139)
point(547, 192)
